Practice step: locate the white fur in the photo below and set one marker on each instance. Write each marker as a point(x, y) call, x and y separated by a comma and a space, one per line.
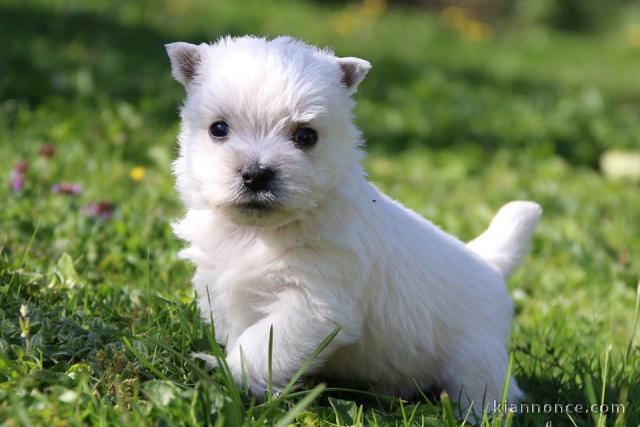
point(413, 302)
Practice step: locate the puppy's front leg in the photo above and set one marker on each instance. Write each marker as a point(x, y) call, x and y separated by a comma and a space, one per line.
point(299, 326)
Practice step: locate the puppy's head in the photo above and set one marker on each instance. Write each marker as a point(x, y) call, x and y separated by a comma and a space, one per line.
point(266, 126)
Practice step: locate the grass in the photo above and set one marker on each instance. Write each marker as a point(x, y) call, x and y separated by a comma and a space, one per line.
point(456, 127)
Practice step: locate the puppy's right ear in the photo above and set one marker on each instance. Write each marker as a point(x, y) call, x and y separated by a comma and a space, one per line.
point(185, 60)
point(353, 71)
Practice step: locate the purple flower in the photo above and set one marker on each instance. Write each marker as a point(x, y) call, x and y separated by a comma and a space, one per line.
point(67, 188)
point(18, 176)
point(102, 209)
point(17, 181)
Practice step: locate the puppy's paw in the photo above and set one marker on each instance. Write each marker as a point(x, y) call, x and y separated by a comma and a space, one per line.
point(212, 361)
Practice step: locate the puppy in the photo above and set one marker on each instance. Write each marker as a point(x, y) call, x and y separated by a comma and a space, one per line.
point(285, 231)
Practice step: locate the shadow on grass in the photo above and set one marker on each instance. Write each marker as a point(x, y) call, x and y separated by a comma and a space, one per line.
point(66, 55)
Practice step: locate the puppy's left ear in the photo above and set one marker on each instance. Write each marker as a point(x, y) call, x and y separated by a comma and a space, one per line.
point(353, 72)
point(185, 60)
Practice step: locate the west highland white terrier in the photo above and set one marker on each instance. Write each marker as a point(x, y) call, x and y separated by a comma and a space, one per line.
point(286, 232)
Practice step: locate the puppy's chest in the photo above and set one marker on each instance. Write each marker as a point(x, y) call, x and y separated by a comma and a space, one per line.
point(262, 268)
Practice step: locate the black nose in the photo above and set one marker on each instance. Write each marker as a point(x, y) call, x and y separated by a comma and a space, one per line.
point(257, 178)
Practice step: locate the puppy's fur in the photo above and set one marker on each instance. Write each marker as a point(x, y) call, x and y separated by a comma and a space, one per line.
point(323, 247)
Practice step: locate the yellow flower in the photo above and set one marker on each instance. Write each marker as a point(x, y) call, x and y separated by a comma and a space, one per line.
point(455, 16)
point(632, 34)
point(463, 21)
point(137, 173)
point(476, 31)
point(373, 8)
point(359, 15)
point(345, 23)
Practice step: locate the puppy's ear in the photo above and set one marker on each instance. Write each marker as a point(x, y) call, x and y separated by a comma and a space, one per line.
point(185, 60)
point(353, 72)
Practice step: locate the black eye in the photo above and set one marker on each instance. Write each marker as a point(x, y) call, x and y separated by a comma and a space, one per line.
point(219, 130)
point(305, 137)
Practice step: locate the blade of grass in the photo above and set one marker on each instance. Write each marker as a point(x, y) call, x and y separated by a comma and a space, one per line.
point(219, 354)
point(24, 256)
point(509, 419)
point(148, 280)
point(244, 383)
point(447, 410)
point(390, 399)
point(602, 416)
point(300, 406)
point(145, 362)
point(634, 328)
point(360, 416)
point(404, 413)
point(413, 414)
point(591, 396)
point(620, 418)
point(424, 396)
point(305, 366)
point(270, 379)
point(307, 363)
point(466, 416)
point(497, 418)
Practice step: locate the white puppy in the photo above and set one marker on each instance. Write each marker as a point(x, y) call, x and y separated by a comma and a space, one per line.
point(286, 231)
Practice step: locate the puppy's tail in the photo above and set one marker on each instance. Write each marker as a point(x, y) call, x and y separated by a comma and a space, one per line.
point(506, 242)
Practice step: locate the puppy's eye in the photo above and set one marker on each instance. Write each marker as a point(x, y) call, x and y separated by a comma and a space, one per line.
point(305, 137)
point(219, 130)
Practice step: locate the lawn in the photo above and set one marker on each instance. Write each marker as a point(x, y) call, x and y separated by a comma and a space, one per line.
point(97, 318)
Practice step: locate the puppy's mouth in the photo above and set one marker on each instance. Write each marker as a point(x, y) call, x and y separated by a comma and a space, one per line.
point(255, 206)
point(259, 208)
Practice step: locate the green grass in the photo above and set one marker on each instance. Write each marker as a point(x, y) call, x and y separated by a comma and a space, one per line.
point(455, 129)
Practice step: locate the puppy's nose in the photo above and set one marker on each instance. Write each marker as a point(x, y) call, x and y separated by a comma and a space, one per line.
point(257, 178)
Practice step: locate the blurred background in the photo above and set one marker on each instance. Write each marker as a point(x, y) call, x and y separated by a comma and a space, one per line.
point(469, 104)
point(557, 76)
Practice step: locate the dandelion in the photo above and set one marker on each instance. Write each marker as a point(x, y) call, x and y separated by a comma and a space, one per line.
point(137, 173)
point(24, 325)
point(102, 210)
point(67, 188)
point(24, 310)
point(47, 150)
